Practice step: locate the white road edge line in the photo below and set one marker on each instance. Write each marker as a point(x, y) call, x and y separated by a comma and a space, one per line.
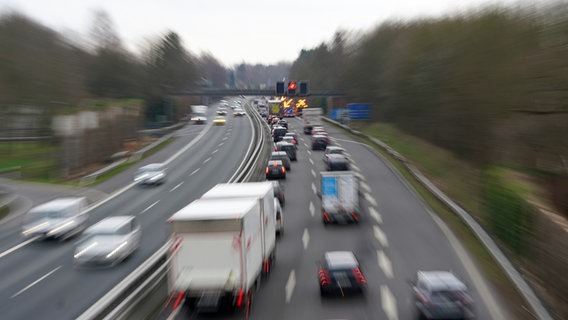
point(178, 185)
point(379, 234)
point(35, 282)
point(306, 238)
point(14, 248)
point(375, 215)
point(312, 209)
point(194, 171)
point(290, 284)
point(385, 264)
point(389, 303)
point(149, 207)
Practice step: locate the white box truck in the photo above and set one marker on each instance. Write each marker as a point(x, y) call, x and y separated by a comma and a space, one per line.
point(216, 259)
point(272, 219)
point(312, 118)
point(199, 114)
point(339, 197)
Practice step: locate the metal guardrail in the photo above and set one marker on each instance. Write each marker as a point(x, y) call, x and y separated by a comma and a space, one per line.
point(513, 274)
point(130, 296)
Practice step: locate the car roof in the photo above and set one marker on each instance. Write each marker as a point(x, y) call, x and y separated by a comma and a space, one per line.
point(340, 259)
point(328, 148)
point(441, 280)
point(275, 162)
point(283, 143)
point(319, 136)
point(153, 166)
point(336, 157)
point(110, 224)
point(279, 153)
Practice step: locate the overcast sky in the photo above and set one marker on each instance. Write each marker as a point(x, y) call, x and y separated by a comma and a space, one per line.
point(235, 31)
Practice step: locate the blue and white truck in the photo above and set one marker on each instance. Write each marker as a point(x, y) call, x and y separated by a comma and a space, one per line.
point(340, 197)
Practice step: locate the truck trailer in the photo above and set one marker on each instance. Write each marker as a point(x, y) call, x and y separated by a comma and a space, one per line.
point(199, 114)
point(339, 197)
point(216, 259)
point(312, 118)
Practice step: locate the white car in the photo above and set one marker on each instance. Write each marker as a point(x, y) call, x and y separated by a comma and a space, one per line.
point(108, 242)
point(153, 174)
point(60, 219)
point(279, 219)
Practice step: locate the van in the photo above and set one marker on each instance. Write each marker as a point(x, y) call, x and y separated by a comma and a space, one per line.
point(59, 219)
point(282, 156)
point(289, 148)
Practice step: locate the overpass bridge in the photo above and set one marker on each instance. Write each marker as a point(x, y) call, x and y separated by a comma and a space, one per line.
point(217, 92)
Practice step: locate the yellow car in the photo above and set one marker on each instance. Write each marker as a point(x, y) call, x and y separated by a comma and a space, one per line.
point(219, 121)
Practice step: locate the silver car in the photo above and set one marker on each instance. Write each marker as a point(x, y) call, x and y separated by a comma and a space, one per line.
point(153, 174)
point(108, 242)
point(441, 295)
point(60, 219)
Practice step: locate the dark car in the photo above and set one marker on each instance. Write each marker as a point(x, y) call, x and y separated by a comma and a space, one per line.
point(282, 156)
point(289, 148)
point(340, 273)
point(319, 142)
point(275, 170)
point(290, 140)
point(283, 123)
point(441, 295)
point(278, 133)
point(336, 162)
point(279, 192)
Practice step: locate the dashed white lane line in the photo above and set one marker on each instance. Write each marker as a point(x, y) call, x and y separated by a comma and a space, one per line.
point(290, 284)
point(306, 238)
point(221, 144)
point(309, 152)
point(355, 167)
point(389, 303)
point(380, 235)
point(313, 173)
point(178, 185)
point(225, 138)
point(149, 207)
point(312, 209)
point(375, 215)
point(215, 151)
point(370, 199)
point(314, 188)
point(306, 145)
point(35, 282)
point(25, 243)
point(384, 263)
point(311, 161)
point(206, 160)
point(366, 187)
point(194, 171)
point(360, 176)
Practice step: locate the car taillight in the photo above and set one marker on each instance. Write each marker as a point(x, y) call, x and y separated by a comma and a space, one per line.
point(266, 170)
point(283, 170)
point(358, 275)
point(240, 298)
point(326, 216)
point(324, 277)
point(354, 215)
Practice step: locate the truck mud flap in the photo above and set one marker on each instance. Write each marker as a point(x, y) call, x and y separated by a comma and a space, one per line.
point(209, 302)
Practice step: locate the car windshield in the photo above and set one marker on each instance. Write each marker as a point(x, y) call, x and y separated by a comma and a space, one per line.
point(44, 214)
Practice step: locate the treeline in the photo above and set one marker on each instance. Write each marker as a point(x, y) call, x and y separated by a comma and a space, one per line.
point(490, 86)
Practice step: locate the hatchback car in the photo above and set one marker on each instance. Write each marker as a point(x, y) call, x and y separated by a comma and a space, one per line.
point(289, 148)
point(221, 111)
point(219, 121)
point(59, 219)
point(441, 295)
point(290, 140)
point(336, 162)
point(278, 133)
point(340, 273)
point(151, 174)
point(275, 170)
point(279, 192)
point(319, 142)
point(283, 123)
point(293, 135)
point(238, 112)
point(108, 242)
point(282, 156)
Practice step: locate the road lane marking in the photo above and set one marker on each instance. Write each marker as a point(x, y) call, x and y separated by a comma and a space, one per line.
point(194, 171)
point(206, 160)
point(370, 199)
point(353, 166)
point(221, 144)
point(25, 243)
point(312, 209)
point(389, 303)
point(375, 215)
point(311, 161)
point(225, 138)
point(35, 282)
point(149, 207)
point(384, 263)
point(314, 188)
point(214, 152)
point(313, 173)
point(306, 145)
point(178, 185)
point(290, 284)
point(306, 238)
point(366, 187)
point(309, 152)
point(360, 176)
point(380, 235)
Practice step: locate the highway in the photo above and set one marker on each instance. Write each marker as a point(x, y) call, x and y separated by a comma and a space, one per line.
point(38, 279)
point(396, 237)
